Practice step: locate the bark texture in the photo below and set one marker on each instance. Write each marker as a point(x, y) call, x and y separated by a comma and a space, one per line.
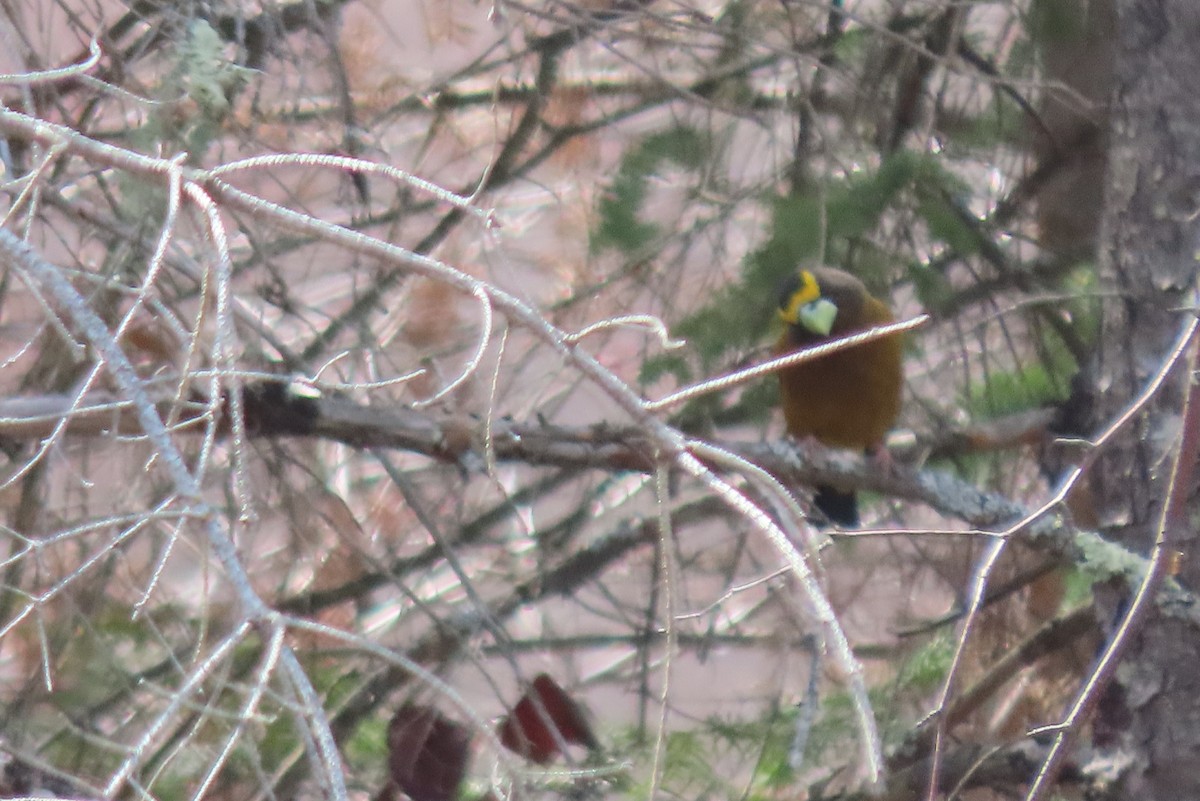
point(1149, 248)
point(1076, 42)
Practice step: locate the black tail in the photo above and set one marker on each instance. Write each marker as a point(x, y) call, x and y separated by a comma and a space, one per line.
point(840, 507)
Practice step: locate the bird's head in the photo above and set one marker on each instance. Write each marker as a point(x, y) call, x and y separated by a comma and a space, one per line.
point(803, 303)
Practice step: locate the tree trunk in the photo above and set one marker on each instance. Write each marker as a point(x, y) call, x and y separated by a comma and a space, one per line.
point(1149, 247)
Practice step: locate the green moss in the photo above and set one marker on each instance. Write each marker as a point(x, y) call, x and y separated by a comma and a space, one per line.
point(926, 668)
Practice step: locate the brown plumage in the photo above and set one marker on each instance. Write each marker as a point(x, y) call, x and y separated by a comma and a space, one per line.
point(848, 399)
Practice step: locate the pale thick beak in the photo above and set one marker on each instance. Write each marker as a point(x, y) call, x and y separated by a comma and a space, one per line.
point(818, 316)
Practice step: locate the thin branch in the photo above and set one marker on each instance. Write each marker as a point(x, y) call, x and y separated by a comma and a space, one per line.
point(50, 278)
point(1172, 528)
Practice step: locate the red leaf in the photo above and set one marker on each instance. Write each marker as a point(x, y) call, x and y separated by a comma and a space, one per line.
point(427, 753)
point(543, 720)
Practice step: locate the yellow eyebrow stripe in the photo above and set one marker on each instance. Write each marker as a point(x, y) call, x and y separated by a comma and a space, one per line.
point(807, 292)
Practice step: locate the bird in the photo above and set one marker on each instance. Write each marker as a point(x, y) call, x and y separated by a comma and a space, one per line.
point(846, 399)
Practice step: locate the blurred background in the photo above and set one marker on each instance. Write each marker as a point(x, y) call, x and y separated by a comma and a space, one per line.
point(597, 159)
